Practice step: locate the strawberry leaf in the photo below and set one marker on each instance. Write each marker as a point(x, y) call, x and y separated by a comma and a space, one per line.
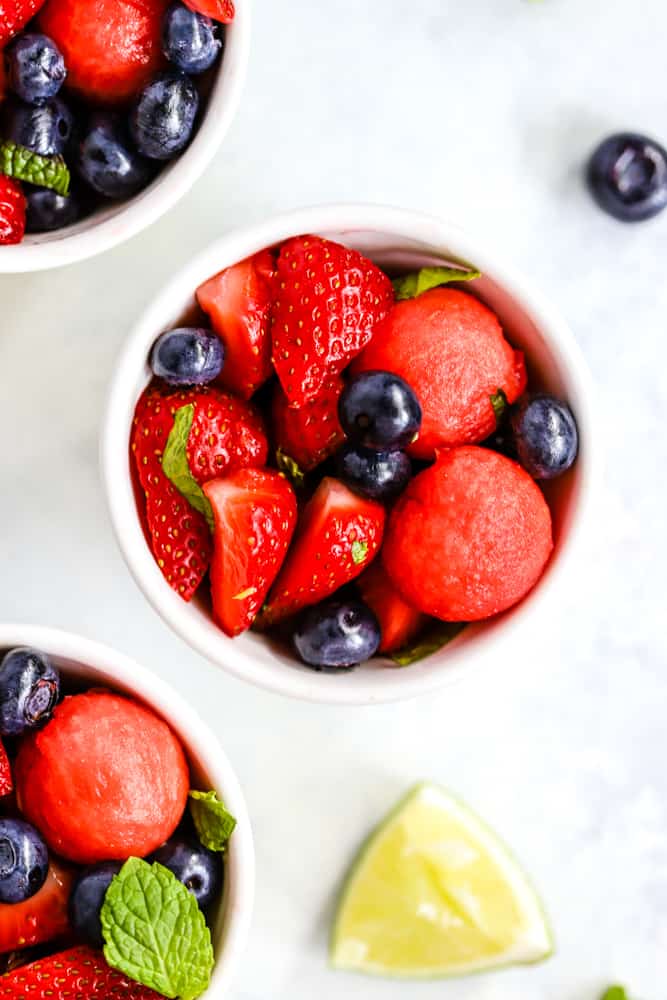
point(429, 642)
point(175, 463)
point(24, 165)
point(412, 285)
point(290, 468)
point(214, 825)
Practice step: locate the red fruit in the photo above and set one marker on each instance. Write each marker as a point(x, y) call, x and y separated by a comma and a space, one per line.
point(313, 432)
point(330, 301)
point(14, 15)
point(226, 434)
point(41, 918)
point(12, 208)
point(111, 47)
point(238, 303)
point(219, 10)
point(105, 778)
point(337, 536)
point(179, 535)
point(6, 783)
point(399, 622)
point(450, 348)
point(486, 530)
point(255, 516)
point(76, 974)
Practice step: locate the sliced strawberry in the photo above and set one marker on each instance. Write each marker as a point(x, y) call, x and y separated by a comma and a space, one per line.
point(12, 208)
point(255, 516)
point(337, 536)
point(14, 15)
point(219, 10)
point(76, 974)
point(40, 918)
point(399, 623)
point(6, 782)
point(226, 434)
point(238, 303)
point(313, 432)
point(329, 302)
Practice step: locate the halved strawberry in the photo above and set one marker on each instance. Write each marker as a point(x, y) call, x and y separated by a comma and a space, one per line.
point(79, 973)
point(14, 15)
point(399, 623)
point(12, 209)
point(219, 10)
point(40, 918)
point(313, 432)
point(329, 302)
point(6, 782)
point(255, 515)
point(226, 434)
point(238, 303)
point(337, 536)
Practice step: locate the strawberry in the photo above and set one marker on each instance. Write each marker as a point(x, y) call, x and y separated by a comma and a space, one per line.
point(12, 209)
point(14, 15)
point(79, 973)
point(6, 783)
point(313, 432)
point(329, 302)
point(238, 303)
point(40, 918)
point(111, 47)
point(255, 516)
point(337, 536)
point(219, 10)
point(226, 434)
point(399, 623)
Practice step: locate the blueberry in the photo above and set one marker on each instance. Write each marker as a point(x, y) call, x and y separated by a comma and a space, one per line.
point(336, 635)
point(45, 129)
point(107, 160)
point(545, 436)
point(29, 690)
point(86, 898)
point(379, 410)
point(199, 869)
point(47, 210)
point(24, 861)
point(35, 67)
point(627, 176)
point(187, 356)
point(164, 116)
point(379, 475)
point(189, 39)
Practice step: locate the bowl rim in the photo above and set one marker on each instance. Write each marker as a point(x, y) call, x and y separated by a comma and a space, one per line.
point(114, 446)
point(201, 742)
point(145, 208)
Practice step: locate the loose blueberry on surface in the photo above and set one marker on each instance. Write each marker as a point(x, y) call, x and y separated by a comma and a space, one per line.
point(46, 210)
point(545, 436)
point(199, 869)
point(29, 690)
point(35, 67)
point(189, 39)
point(187, 356)
point(24, 861)
point(86, 898)
point(163, 117)
point(107, 160)
point(378, 475)
point(337, 635)
point(44, 129)
point(379, 410)
point(627, 176)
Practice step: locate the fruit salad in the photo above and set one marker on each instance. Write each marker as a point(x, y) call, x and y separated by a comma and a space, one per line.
point(110, 864)
point(350, 461)
point(96, 96)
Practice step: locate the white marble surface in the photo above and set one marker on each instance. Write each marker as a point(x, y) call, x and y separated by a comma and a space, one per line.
point(481, 112)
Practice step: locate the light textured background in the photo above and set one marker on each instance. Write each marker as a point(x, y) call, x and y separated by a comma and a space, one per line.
point(481, 112)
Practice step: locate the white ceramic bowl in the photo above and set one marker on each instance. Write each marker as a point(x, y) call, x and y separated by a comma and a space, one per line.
point(397, 240)
point(109, 226)
point(102, 666)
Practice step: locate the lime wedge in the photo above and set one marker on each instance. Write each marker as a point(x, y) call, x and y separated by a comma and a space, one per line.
point(434, 893)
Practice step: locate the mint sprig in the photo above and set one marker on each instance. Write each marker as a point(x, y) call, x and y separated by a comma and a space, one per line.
point(24, 165)
point(435, 637)
point(359, 552)
point(154, 931)
point(411, 285)
point(213, 823)
point(175, 463)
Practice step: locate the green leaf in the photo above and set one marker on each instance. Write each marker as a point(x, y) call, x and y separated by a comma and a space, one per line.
point(154, 931)
point(615, 993)
point(359, 552)
point(175, 463)
point(24, 165)
point(292, 470)
point(214, 825)
point(414, 284)
point(499, 404)
point(437, 636)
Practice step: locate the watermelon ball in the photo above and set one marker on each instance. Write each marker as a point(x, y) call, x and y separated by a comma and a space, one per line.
point(104, 780)
point(451, 350)
point(486, 528)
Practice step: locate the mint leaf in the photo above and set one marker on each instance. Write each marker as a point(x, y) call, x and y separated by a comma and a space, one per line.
point(414, 284)
point(175, 463)
point(292, 470)
point(437, 636)
point(154, 931)
point(214, 825)
point(359, 552)
point(499, 404)
point(24, 165)
point(615, 993)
